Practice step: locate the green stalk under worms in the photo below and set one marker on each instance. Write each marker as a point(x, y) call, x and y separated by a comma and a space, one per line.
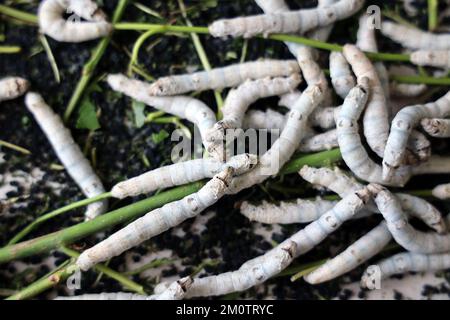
point(432, 14)
point(14, 147)
point(10, 49)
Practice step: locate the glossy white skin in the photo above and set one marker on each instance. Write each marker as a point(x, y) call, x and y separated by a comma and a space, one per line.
point(52, 23)
point(260, 269)
point(285, 146)
point(436, 58)
point(376, 115)
point(174, 291)
point(12, 87)
point(402, 125)
point(342, 184)
point(299, 21)
point(184, 107)
point(438, 128)
point(341, 75)
point(415, 39)
point(178, 174)
point(68, 152)
point(406, 262)
point(404, 234)
point(157, 221)
point(225, 77)
point(359, 252)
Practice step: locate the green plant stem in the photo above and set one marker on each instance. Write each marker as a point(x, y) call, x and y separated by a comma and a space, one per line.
point(433, 14)
point(307, 268)
point(137, 46)
point(18, 14)
point(444, 81)
point(126, 283)
point(91, 65)
point(132, 211)
point(23, 233)
point(10, 49)
point(14, 147)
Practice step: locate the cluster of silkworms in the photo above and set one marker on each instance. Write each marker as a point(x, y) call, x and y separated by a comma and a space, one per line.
point(315, 121)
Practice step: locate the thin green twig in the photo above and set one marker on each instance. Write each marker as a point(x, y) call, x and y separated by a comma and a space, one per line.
point(18, 14)
point(51, 57)
point(14, 147)
point(10, 49)
point(433, 14)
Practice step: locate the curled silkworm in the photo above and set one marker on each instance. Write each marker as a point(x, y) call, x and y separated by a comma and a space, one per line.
point(237, 103)
point(341, 75)
point(403, 263)
point(402, 125)
point(413, 38)
point(362, 250)
point(439, 128)
point(376, 115)
point(53, 24)
point(182, 106)
point(342, 184)
point(299, 21)
point(158, 221)
point(179, 174)
point(261, 268)
point(432, 58)
point(219, 78)
point(12, 87)
point(404, 89)
point(68, 152)
point(285, 146)
point(403, 233)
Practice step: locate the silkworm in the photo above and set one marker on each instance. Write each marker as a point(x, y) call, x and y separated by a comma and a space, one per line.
point(319, 142)
point(284, 147)
point(359, 252)
point(68, 152)
point(404, 89)
point(237, 103)
point(179, 174)
point(272, 5)
point(341, 75)
point(432, 58)
point(184, 107)
point(52, 23)
point(402, 125)
point(439, 128)
point(441, 191)
point(342, 184)
point(12, 87)
point(376, 115)
point(403, 233)
point(413, 38)
point(268, 119)
point(299, 21)
point(158, 221)
point(219, 78)
point(261, 268)
point(405, 262)
point(175, 291)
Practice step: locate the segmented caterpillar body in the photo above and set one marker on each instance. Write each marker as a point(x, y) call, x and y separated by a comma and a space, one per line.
point(435, 58)
point(219, 78)
point(68, 152)
point(53, 24)
point(299, 21)
point(439, 128)
point(12, 87)
point(341, 75)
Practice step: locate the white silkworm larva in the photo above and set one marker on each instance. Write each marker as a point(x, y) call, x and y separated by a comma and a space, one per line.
point(362, 250)
point(52, 23)
point(259, 269)
point(269, 119)
point(376, 115)
point(12, 87)
point(442, 191)
point(405, 262)
point(237, 103)
point(68, 153)
point(299, 21)
point(353, 152)
point(436, 58)
point(404, 89)
point(418, 149)
point(181, 106)
point(341, 75)
point(219, 78)
point(404, 234)
point(319, 142)
point(342, 184)
point(439, 128)
point(285, 146)
point(272, 5)
point(402, 125)
point(413, 38)
point(158, 221)
point(179, 174)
